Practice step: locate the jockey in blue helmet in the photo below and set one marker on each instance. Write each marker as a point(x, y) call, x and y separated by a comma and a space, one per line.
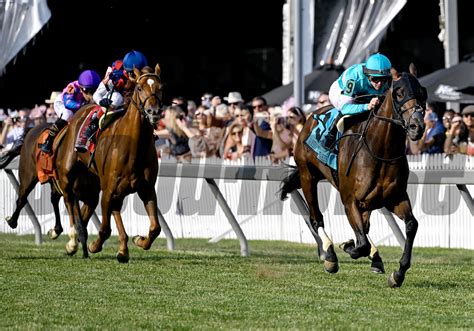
point(134, 59)
point(111, 93)
point(75, 95)
point(370, 78)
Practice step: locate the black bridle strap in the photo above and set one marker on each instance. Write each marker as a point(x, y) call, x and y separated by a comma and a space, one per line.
point(141, 106)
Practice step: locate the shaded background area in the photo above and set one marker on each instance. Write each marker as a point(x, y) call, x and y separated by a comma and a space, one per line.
point(201, 46)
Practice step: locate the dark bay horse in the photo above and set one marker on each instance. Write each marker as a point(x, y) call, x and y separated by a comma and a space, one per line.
point(125, 162)
point(372, 172)
point(87, 190)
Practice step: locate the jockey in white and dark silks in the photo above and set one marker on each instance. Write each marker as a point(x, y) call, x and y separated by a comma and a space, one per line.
point(370, 78)
point(74, 96)
point(110, 93)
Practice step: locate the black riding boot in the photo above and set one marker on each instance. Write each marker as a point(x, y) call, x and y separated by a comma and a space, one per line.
point(332, 134)
point(47, 147)
point(331, 137)
point(92, 128)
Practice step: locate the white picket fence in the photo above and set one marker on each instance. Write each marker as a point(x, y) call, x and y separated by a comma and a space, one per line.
point(191, 210)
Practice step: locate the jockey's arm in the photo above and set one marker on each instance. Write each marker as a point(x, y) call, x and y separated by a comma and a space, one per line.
point(352, 109)
point(100, 93)
point(71, 103)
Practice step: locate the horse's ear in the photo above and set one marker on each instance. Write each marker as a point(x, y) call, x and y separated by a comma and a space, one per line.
point(137, 72)
point(157, 69)
point(395, 74)
point(413, 70)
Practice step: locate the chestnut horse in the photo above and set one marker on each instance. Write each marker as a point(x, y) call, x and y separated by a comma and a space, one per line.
point(125, 162)
point(27, 173)
point(372, 172)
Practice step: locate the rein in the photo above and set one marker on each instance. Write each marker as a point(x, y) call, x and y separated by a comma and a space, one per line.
point(362, 136)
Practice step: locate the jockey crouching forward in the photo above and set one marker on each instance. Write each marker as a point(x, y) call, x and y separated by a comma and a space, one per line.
point(110, 94)
point(74, 96)
point(370, 78)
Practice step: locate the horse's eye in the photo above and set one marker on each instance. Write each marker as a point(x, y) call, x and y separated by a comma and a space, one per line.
point(139, 88)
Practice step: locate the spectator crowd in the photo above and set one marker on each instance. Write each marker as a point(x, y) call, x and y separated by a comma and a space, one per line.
point(231, 128)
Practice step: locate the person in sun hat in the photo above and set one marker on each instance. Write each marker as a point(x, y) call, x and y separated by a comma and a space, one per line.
point(53, 96)
point(234, 100)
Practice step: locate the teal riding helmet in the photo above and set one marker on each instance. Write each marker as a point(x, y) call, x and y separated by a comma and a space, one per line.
point(377, 65)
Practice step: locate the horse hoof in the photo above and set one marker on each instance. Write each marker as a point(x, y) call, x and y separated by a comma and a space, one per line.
point(11, 222)
point(123, 258)
point(94, 248)
point(347, 246)
point(136, 240)
point(392, 282)
point(71, 250)
point(52, 234)
point(331, 267)
point(377, 267)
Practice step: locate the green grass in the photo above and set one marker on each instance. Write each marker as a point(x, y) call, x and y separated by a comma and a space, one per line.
point(210, 286)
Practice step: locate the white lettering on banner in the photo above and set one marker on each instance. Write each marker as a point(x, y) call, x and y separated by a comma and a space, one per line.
point(447, 92)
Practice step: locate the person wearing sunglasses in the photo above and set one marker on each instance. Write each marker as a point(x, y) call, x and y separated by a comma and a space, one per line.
point(372, 77)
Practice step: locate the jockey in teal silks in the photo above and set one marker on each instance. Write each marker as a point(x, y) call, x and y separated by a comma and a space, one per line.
point(370, 78)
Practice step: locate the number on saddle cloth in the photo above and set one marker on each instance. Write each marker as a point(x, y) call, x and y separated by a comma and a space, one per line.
point(316, 140)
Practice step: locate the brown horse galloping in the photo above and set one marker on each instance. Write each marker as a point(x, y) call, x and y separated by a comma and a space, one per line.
point(125, 162)
point(372, 172)
point(87, 190)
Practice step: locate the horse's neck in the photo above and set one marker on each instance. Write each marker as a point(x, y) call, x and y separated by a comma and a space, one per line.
point(384, 137)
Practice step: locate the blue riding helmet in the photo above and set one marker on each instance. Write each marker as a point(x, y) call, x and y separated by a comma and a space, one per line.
point(89, 79)
point(134, 58)
point(377, 65)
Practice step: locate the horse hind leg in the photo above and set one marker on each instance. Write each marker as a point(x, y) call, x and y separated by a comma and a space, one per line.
point(403, 211)
point(55, 232)
point(309, 184)
point(81, 227)
point(28, 183)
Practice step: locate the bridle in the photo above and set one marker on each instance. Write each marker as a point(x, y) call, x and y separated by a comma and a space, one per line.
point(397, 112)
point(141, 106)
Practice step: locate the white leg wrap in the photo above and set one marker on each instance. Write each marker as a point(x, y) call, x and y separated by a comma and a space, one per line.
point(324, 237)
point(373, 248)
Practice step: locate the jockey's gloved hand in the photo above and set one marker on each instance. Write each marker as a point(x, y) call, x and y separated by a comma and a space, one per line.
point(105, 102)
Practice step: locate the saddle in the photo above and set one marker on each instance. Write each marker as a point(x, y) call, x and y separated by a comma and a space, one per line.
point(106, 118)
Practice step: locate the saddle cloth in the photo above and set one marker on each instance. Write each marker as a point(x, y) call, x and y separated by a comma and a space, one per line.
point(317, 138)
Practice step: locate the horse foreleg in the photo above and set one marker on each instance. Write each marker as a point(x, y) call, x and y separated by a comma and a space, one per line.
point(104, 230)
point(122, 254)
point(377, 263)
point(404, 212)
point(360, 226)
point(148, 196)
point(309, 184)
point(58, 229)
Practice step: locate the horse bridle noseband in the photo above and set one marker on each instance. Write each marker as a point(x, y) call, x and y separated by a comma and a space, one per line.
point(141, 106)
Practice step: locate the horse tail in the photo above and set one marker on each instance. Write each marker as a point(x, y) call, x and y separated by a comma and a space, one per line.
point(290, 183)
point(10, 155)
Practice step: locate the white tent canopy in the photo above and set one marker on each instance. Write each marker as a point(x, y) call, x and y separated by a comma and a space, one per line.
point(20, 20)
